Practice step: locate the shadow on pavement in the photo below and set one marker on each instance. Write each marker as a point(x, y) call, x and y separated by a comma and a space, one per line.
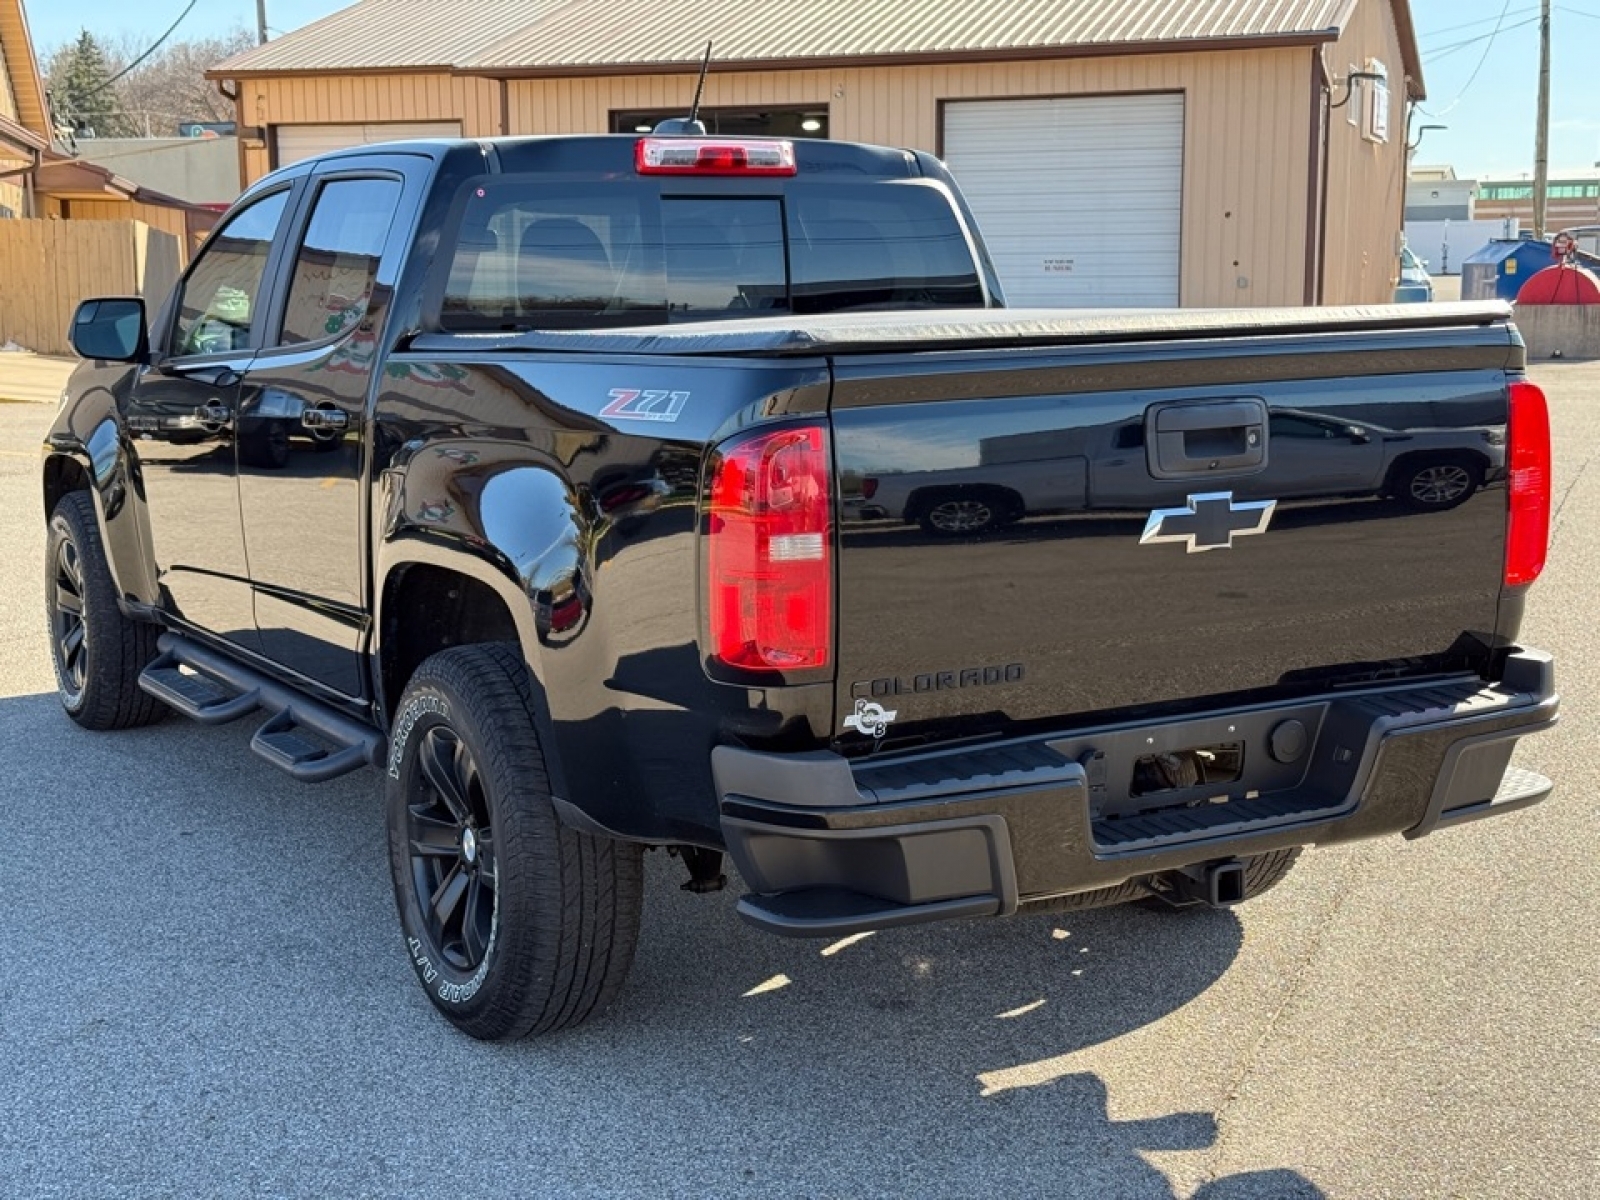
point(215, 948)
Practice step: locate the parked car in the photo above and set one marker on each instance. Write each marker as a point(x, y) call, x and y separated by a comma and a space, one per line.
point(598, 573)
point(1416, 285)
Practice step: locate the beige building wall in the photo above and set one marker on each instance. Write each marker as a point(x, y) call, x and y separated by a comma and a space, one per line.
point(11, 195)
point(1247, 115)
point(347, 99)
point(1366, 180)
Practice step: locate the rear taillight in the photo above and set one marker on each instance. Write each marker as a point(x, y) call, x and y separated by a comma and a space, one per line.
point(769, 551)
point(714, 156)
point(1528, 463)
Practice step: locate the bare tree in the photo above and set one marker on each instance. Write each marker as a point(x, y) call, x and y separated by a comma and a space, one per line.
point(165, 90)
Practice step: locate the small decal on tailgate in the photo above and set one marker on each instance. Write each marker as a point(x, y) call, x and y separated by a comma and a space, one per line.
point(633, 404)
point(871, 718)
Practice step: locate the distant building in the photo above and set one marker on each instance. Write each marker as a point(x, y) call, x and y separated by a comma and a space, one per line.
point(201, 170)
point(1573, 199)
point(1435, 194)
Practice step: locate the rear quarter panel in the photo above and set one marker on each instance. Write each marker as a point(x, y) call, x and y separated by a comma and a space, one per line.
point(555, 480)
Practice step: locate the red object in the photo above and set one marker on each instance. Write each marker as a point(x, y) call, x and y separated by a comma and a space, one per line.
point(713, 156)
point(1563, 283)
point(770, 551)
point(1528, 522)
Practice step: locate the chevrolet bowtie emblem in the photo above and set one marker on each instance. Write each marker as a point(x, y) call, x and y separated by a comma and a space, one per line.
point(1210, 522)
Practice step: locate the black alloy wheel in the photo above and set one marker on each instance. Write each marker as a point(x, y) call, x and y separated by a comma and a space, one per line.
point(98, 652)
point(452, 850)
point(514, 922)
point(65, 606)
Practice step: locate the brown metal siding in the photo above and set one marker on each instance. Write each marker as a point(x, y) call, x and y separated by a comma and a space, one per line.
point(340, 99)
point(1245, 161)
point(1366, 180)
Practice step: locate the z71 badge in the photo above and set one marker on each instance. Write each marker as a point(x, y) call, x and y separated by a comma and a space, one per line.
point(633, 404)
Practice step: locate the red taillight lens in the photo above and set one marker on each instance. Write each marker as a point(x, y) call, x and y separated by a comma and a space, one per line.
point(1528, 463)
point(770, 551)
point(869, 488)
point(711, 156)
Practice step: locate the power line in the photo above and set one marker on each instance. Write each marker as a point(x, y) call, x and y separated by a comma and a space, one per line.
point(154, 46)
point(1471, 79)
point(1445, 51)
point(1433, 33)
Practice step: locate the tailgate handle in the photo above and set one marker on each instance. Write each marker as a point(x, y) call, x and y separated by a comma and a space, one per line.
point(1206, 438)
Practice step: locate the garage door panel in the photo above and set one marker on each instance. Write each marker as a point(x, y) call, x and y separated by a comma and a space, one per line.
point(1079, 199)
point(295, 142)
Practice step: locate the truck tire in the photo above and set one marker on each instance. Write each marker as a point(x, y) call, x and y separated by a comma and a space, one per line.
point(514, 923)
point(97, 652)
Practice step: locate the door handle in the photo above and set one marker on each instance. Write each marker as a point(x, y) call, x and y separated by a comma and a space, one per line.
point(1206, 437)
point(325, 418)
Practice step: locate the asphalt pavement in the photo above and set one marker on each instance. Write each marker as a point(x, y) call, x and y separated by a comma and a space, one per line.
point(203, 992)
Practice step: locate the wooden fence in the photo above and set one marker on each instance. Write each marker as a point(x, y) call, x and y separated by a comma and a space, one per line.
point(47, 267)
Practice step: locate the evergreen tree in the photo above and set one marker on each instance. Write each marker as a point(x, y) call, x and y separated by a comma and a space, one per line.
point(81, 92)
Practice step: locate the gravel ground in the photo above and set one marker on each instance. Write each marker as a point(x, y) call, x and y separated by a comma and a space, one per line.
point(204, 993)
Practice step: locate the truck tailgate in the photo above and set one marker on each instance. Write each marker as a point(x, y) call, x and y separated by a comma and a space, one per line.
point(1041, 532)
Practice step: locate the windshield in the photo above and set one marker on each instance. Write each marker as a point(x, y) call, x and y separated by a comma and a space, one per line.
point(530, 253)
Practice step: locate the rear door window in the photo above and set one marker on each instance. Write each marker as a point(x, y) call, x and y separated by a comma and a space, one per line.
point(336, 265)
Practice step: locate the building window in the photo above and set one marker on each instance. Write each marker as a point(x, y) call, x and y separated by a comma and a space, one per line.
point(802, 122)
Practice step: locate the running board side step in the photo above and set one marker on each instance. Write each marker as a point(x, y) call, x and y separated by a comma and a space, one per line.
point(302, 737)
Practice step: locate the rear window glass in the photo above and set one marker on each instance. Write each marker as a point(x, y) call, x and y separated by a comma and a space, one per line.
point(531, 253)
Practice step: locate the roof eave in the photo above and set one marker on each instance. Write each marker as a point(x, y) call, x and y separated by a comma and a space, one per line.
point(225, 72)
point(26, 80)
point(1410, 55)
point(16, 134)
point(1299, 40)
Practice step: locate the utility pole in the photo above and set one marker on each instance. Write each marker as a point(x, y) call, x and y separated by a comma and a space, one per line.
point(1541, 144)
point(261, 20)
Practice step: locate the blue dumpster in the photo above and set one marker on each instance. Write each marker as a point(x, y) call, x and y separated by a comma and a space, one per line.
point(1498, 271)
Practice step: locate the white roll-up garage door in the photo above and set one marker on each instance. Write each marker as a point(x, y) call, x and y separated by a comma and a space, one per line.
point(295, 142)
point(1080, 200)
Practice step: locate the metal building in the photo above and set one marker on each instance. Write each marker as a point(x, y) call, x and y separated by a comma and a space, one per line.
point(1117, 152)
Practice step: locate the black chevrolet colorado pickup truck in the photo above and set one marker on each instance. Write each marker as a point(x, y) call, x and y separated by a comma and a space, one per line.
point(535, 473)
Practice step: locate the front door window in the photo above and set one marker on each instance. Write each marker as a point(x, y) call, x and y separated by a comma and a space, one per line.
point(220, 295)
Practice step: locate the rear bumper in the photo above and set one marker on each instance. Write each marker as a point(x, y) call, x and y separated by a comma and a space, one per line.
point(829, 846)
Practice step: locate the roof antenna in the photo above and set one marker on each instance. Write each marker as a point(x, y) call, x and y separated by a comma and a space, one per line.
point(692, 126)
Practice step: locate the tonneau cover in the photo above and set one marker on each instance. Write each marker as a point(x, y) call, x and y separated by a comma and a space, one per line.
point(953, 329)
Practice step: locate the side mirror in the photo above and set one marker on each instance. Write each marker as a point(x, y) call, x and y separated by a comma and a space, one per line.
point(111, 330)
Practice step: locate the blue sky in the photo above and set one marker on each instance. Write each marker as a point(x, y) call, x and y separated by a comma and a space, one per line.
point(1490, 117)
